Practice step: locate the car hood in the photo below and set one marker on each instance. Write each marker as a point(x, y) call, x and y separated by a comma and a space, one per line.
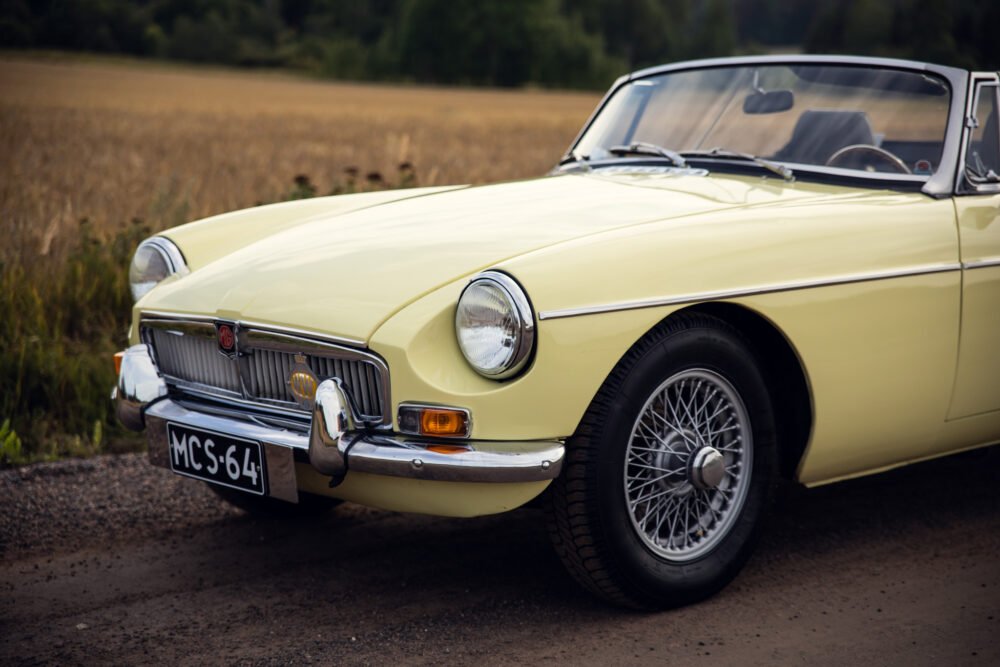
point(344, 275)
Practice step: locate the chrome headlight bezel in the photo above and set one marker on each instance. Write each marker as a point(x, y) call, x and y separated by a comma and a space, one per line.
point(522, 318)
point(168, 253)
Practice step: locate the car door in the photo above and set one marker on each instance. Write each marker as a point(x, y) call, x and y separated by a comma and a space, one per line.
point(977, 380)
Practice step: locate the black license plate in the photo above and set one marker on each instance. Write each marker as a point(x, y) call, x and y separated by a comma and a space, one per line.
point(217, 458)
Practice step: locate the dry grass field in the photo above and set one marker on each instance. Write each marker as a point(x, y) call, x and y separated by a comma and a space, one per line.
point(112, 142)
point(98, 154)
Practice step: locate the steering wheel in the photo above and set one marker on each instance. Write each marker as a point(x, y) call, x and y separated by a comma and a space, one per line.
point(857, 150)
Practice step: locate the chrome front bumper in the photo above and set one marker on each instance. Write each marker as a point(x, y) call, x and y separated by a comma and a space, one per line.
point(333, 445)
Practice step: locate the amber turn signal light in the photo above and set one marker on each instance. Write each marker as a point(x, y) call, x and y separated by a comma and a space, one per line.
point(434, 421)
point(442, 422)
point(118, 362)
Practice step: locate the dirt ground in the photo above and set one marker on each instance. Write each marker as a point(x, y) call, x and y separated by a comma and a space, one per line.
point(112, 561)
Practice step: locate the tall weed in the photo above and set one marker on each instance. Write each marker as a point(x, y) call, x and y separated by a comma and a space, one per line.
point(65, 315)
point(63, 322)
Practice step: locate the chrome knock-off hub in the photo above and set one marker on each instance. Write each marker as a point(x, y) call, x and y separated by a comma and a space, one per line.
point(688, 464)
point(707, 468)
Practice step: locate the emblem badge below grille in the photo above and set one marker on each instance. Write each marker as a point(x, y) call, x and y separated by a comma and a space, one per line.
point(302, 383)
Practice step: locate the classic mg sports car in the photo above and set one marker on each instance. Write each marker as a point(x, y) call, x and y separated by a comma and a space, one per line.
point(742, 270)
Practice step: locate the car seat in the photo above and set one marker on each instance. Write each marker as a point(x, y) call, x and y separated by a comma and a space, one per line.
point(818, 134)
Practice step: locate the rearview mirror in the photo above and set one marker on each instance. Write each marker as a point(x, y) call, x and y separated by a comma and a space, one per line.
point(768, 101)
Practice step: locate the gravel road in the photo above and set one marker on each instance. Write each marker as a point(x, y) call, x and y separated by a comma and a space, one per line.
point(111, 561)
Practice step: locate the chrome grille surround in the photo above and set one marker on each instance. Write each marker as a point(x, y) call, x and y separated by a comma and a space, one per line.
point(255, 379)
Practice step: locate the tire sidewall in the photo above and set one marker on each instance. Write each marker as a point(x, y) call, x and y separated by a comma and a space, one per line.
point(647, 573)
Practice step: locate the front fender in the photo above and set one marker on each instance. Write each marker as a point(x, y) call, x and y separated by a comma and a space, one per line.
point(572, 359)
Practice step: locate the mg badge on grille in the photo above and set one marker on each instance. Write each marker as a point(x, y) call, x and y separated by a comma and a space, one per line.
point(226, 336)
point(302, 382)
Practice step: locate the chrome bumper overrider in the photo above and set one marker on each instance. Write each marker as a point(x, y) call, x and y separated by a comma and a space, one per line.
point(334, 445)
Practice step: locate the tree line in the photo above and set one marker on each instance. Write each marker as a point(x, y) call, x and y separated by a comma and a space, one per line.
point(555, 43)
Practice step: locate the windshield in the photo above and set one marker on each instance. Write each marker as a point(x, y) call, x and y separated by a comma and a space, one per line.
point(863, 118)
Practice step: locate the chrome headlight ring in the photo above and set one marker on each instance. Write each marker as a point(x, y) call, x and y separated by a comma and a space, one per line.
point(155, 259)
point(495, 325)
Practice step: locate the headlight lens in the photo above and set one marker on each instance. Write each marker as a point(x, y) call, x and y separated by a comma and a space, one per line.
point(154, 259)
point(495, 325)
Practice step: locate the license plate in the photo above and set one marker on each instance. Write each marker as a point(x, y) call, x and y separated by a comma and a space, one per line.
point(217, 458)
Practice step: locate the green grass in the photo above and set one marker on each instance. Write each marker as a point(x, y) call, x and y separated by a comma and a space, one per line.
point(64, 321)
point(64, 317)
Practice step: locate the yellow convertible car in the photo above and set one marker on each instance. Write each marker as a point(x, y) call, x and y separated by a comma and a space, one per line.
point(742, 270)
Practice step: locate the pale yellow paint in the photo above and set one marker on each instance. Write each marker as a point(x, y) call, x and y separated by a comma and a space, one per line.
point(346, 274)
point(573, 358)
point(879, 355)
point(977, 382)
point(990, 424)
point(400, 494)
point(206, 240)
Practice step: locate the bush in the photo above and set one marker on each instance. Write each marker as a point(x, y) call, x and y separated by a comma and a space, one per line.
point(67, 320)
point(67, 316)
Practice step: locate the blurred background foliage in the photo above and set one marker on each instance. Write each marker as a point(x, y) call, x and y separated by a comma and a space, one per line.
point(63, 322)
point(552, 43)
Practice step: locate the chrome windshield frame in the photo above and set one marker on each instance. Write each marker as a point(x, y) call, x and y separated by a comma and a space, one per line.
point(940, 184)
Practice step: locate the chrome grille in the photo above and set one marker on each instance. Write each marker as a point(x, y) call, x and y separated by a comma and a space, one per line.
point(194, 359)
point(270, 370)
point(188, 355)
point(363, 378)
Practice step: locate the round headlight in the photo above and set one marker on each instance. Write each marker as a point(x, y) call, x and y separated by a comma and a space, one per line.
point(154, 259)
point(495, 325)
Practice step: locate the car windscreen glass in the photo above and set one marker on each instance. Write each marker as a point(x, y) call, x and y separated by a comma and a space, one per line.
point(868, 119)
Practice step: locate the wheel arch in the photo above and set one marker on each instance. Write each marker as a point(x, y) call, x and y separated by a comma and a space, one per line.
point(784, 374)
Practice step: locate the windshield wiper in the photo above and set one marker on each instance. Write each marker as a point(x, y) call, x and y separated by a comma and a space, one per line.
point(645, 148)
point(574, 157)
point(779, 169)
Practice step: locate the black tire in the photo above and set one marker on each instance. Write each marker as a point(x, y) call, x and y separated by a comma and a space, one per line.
point(595, 530)
point(263, 506)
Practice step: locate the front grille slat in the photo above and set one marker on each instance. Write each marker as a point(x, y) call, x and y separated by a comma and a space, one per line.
point(371, 384)
point(281, 389)
point(353, 381)
point(268, 373)
point(196, 359)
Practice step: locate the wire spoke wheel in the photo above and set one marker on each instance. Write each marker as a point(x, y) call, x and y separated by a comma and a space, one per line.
point(670, 473)
point(688, 464)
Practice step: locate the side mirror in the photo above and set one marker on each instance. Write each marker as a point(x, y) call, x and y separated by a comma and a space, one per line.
point(768, 101)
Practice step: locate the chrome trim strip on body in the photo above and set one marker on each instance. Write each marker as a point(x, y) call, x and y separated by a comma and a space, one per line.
point(982, 263)
point(224, 408)
point(182, 327)
point(389, 454)
point(279, 341)
point(250, 324)
point(170, 410)
point(193, 390)
point(750, 291)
